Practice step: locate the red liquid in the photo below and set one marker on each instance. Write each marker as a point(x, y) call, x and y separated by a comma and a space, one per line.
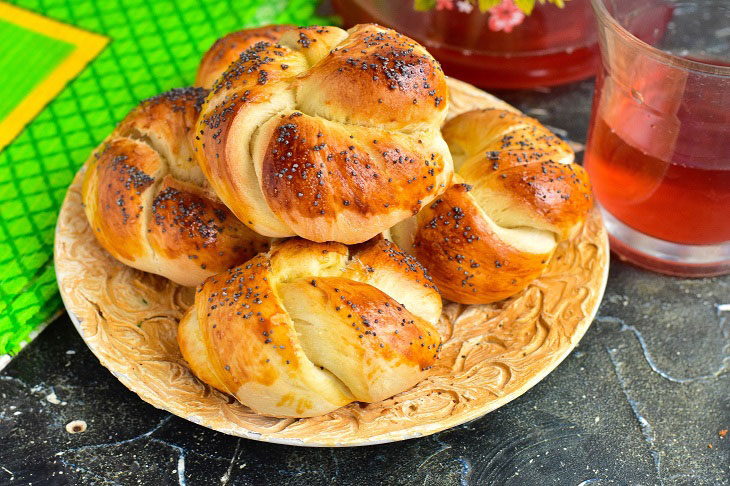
point(664, 172)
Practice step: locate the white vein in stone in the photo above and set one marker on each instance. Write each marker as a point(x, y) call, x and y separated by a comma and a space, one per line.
point(227, 476)
point(120, 442)
point(646, 429)
point(652, 364)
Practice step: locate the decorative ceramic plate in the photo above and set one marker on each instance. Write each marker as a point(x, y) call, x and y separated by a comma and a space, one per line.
point(491, 354)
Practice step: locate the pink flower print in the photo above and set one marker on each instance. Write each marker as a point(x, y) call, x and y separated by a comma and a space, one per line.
point(444, 4)
point(464, 6)
point(505, 16)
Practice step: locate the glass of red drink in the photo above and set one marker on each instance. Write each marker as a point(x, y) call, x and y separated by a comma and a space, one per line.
point(658, 149)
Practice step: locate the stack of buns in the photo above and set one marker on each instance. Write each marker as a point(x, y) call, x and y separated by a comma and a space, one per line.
point(297, 143)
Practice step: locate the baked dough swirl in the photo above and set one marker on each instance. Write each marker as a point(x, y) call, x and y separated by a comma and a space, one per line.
point(327, 134)
point(150, 205)
point(518, 195)
point(309, 327)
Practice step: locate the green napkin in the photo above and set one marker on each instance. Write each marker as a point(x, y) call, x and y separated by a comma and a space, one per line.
point(153, 46)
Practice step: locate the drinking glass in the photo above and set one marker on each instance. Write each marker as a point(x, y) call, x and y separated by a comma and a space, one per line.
point(658, 149)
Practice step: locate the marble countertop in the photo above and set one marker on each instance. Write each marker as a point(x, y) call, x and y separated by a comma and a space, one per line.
point(643, 399)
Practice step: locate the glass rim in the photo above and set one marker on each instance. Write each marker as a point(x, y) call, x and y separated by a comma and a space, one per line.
point(604, 17)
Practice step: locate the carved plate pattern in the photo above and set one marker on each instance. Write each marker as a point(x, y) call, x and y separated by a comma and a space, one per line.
point(492, 353)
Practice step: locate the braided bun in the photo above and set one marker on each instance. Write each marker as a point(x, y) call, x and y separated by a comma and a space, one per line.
point(519, 194)
point(309, 327)
point(148, 202)
point(329, 135)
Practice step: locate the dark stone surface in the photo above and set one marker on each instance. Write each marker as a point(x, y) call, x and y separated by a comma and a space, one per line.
point(640, 401)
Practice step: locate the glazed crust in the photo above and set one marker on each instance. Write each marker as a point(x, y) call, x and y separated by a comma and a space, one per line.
point(309, 327)
point(468, 259)
point(329, 135)
point(487, 238)
point(375, 77)
point(522, 173)
point(149, 204)
point(227, 49)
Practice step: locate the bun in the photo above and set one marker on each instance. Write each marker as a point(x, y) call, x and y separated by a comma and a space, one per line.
point(227, 49)
point(148, 202)
point(329, 135)
point(518, 195)
point(309, 327)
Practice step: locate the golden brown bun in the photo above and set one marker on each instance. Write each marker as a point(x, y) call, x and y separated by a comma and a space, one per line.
point(148, 202)
point(309, 327)
point(485, 239)
point(227, 49)
point(329, 135)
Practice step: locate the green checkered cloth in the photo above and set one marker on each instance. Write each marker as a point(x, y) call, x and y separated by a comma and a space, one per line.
point(154, 46)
